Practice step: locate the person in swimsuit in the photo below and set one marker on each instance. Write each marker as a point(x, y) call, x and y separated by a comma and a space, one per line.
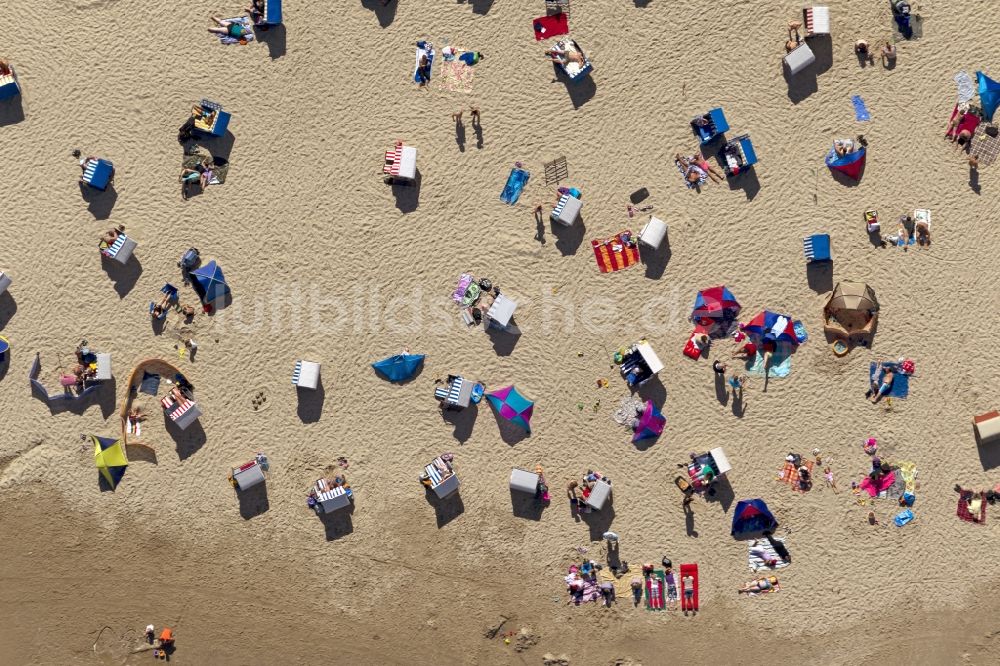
point(746, 352)
point(692, 172)
point(759, 585)
point(712, 172)
point(878, 390)
point(793, 36)
point(229, 28)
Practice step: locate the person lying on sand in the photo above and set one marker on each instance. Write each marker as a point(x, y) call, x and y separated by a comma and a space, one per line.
point(229, 28)
point(692, 172)
point(759, 585)
point(877, 390)
point(923, 233)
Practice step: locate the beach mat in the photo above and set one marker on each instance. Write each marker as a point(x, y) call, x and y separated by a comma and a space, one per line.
point(456, 76)
point(516, 181)
point(247, 38)
point(219, 172)
point(790, 474)
point(688, 570)
point(423, 74)
point(656, 591)
point(985, 147)
point(613, 254)
point(860, 110)
point(781, 363)
point(756, 562)
point(150, 383)
point(965, 513)
point(900, 382)
point(550, 26)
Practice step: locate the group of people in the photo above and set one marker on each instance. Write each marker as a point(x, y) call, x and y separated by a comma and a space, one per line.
point(696, 169)
point(921, 232)
point(585, 486)
point(202, 173)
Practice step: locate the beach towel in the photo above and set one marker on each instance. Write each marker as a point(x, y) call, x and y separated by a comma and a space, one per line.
point(966, 88)
point(516, 181)
point(971, 514)
point(247, 37)
point(790, 474)
point(900, 382)
point(615, 253)
point(590, 592)
point(970, 121)
point(656, 591)
point(898, 487)
point(692, 603)
point(423, 74)
point(984, 146)
point(150, 383)
point(550, 26)
point(756, 562)
point(908, 471)
point(860, 110)
point(781, 362)
point(464, 280)
point(702, 176)
point(456, 76)
point(883, 484)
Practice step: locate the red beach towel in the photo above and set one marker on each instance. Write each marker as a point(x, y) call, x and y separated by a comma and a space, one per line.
point(550, 26)
point(969, 122)
point(689, 570)
point(963, 509)
point(614, 255)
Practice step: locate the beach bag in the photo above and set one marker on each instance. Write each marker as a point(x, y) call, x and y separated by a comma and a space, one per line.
point(992, 131)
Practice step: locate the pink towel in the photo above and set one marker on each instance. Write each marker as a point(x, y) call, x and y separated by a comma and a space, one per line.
point(873, 489)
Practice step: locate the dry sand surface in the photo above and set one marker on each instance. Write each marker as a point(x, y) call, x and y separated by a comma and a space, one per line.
point(327, 263)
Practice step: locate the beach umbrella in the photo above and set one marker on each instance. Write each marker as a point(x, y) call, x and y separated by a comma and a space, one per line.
point(650, 423)
point(400, 367)
point(109, 456)
point(851, 164)
point(989, 94)
point(512, 406)
point(771, 326)
point(752, 516)
point(715, 308)
point(852, 304)
point(209, 282)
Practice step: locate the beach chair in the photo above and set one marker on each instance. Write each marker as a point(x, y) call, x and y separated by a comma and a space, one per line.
point(799, 58)
point(640, 364)
point(306, 374)
point(458, 393)
point(4, 348)
point(443, 483)
point(400, 163)
point(246, 476)
point(987, 427)
point(716, 126)
point(4, 282)
point(8, 85)
point(171, 291)
point(573, 70)
point(817, 248)
point(330, 497)
point(121, 250)
point(817, 20)
point(599, 495)
point(567, 210)
point(524, 481)
point(501, 312)
point(103, 372)
point(219, 121)
point(653, 233)
point(738, 155)
point(98, 173)
point(272, 13)
point(182, 412)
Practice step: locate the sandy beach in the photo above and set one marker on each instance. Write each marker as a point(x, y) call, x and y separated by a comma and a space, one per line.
point(328, 263)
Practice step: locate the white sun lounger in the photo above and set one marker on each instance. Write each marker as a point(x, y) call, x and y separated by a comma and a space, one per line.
point(800, 58)
point(523, 481)
point(599, 494)
point(817, 20)
point(653, 233)
point(567, 210)
point(306, 374)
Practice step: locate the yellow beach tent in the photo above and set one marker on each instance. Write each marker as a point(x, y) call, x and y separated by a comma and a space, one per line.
point(109, 456)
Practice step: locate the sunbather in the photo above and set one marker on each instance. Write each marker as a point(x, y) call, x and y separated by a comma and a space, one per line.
point(877, 390)
point(747, 351)
point(703, 164)
point(256, 11)
point(922, 230)
point(229, 28)
point(110, 236)
point(201, 114)
point(764, 556)
point(5, 68)
point(161, 307)
point(692, 172)
point(759, 585)
point(793, 36)
point(565, 56)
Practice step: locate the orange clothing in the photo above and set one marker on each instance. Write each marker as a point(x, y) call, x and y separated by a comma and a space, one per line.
point(167, 635)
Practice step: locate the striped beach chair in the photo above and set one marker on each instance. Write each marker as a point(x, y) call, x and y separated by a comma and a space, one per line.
point(121, 250)
point(817, 247)
point(567, 210)
point(306, 374)
point(333, 499)
point(220, 122)
point(442, 485)
point(98, 173)
point(8, 86)
point(817, 20)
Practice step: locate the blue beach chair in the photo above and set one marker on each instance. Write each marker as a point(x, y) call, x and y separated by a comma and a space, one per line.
point(171, 292)
point(220, 120)
point(272, 13)
point(98, 173)
point(817, 248)
point(710, 126)
point(738, 155)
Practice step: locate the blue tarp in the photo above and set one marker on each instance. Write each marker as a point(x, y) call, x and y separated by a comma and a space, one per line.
point(400, 367)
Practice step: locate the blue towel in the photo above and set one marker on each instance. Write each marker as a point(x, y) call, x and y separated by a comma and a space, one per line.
point(860, 110)
point(781, 362)
point(515, 183)
point(150, 383)
point(900, 382)
point(800, 331)
point(423, 74)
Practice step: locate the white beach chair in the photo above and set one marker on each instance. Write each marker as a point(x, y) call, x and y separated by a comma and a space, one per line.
point(523, 481)
point(817, 20)
point(653, 233)
point(599, 494)
point(800, 58)
point(306, 374)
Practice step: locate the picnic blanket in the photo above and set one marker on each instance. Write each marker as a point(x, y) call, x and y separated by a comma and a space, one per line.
point(702, 177)
point(790, 474)
point(247, 37)
point(860, 110)
point(656, 591)
point(873, 489)
point(974, 513)
point(900, 382)
point(219, 171)
point(551, 26)
point(984, 146)
point(150, 383)
point(781, 362)
point(966, 88)
point(754, 549)
point(456, 76)
point(516, 181)
point(616, 253)
point(423, 74)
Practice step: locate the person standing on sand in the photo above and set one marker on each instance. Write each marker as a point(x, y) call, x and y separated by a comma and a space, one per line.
point(457, 117)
